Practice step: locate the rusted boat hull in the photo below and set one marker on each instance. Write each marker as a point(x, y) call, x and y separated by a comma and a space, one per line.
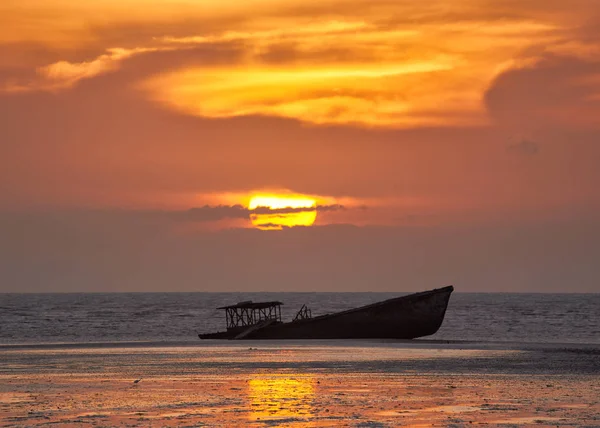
point(406, 317)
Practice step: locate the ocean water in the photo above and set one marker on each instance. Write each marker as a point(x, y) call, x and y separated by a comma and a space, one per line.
point(177, 317)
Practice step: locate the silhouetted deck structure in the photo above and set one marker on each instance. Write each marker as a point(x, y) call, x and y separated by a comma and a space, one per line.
point(247, 313)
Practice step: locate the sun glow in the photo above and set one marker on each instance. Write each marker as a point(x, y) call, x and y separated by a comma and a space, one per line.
point(276, 202)
point(274, 212)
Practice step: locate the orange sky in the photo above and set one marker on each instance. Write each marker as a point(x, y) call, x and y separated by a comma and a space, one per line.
point(390, 114)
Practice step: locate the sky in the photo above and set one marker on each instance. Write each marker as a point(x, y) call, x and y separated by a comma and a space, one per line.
point(270, 145)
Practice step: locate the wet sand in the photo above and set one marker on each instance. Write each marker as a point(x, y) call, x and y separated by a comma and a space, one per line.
point(258, 384)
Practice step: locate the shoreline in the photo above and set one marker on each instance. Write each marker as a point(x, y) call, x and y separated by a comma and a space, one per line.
point(274, 384)
point(384, 343)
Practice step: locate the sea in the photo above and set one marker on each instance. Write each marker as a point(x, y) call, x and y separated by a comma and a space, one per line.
point(104, 318)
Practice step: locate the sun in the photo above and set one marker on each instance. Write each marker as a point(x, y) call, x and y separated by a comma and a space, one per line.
point(274, 212)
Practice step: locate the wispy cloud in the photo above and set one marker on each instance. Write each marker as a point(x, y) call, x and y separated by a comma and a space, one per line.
point(367, 73)
point(64, 74)
point(208, 213)
point(369, 64)
point(330, 28)
point(524, 147)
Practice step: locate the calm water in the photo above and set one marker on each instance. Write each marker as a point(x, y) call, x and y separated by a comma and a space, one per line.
point(43, 318)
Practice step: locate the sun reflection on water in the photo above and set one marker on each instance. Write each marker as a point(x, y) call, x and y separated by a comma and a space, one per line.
point(274, 397)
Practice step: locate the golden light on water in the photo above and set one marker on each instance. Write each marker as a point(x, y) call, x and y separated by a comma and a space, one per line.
point(274, 212)
point(275, 397)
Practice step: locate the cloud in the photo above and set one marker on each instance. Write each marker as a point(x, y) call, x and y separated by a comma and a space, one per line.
point(554, 91)
point(332, 28)
point(206, 213)
point(373, 72)
point(289, 210)
point(211, 213)
point(390, 65)
point(524, 147)
point(64, 74)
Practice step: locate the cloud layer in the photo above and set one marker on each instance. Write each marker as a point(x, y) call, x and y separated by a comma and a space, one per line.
point(115, 252)
point(376, 64)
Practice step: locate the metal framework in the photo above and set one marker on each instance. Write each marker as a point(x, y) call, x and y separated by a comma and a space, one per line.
point(303, 314)
point(248, 313)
